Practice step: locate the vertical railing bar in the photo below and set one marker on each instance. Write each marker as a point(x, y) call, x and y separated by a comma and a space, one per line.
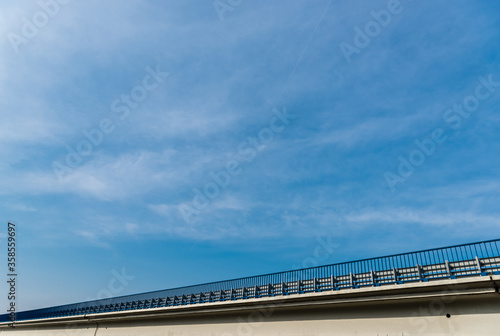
point(473, 250)
point(465, 256)
point(486, 248)
point(437, 262)
point(483, 248)
point(444, 260)
point(457, 257)
point(415, 259)
point(406, 265)
point(463, 251)
point(498, 250)
point(433, 262)
point(486, 253)
point(344, 271)
point(425, 262)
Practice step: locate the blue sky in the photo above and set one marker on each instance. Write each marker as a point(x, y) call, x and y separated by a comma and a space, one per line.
point(233, 138)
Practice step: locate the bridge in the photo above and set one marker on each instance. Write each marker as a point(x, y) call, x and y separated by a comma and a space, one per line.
point(443, 291)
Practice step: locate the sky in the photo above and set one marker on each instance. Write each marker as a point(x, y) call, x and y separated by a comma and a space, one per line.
point(157, 144)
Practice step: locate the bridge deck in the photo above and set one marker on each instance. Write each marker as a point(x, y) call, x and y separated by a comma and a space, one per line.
point(482, 258)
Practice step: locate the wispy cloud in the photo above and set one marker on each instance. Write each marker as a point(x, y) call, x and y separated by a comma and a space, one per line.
point(322, 175)
point(20, 207)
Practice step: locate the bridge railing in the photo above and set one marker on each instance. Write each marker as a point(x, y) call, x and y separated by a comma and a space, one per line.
point(482, 258)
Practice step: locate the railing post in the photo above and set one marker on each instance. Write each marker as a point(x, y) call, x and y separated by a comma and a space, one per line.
point(419, 270)
point(479, 268)
point(332, 282)
point(448, 268)
point(315, 283)
point(395, 274)
point(351, 280)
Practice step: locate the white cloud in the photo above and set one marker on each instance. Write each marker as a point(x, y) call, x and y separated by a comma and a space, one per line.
point(426, 217)
point(20, 207)
point(166, 210)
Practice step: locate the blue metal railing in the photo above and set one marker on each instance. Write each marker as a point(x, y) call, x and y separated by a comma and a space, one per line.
point(480, 258)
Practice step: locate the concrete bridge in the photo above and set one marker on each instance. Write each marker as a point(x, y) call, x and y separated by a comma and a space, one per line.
point(446, 291)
